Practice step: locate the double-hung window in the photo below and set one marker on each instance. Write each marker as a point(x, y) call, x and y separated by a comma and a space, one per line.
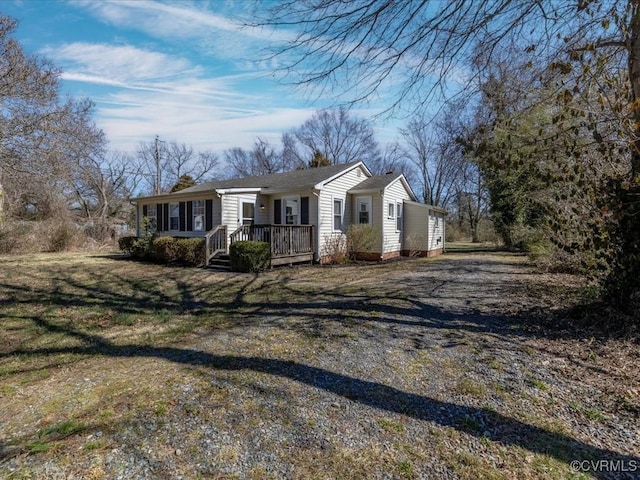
point(391, 211)
point(152, 216)
point(174, 216)
point(363, 209)
point(399, 217)
point(337, 214)
point(198, 215)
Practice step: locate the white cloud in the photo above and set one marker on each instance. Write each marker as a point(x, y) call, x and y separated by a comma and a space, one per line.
point(118, 64)
point(224, 36)
point(132, 118)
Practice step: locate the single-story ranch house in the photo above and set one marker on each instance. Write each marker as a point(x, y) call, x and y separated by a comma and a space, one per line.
point(301, 213)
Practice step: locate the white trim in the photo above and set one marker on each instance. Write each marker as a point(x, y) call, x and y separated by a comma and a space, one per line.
point(430, 207)
point(170, 217)
point(241, 201)
point(223, 191)
point(392, 215)
point(320, 186)
point(284, 208)
point(399, 216)
point(194, 215)
point(363, 200)
point(342, 200)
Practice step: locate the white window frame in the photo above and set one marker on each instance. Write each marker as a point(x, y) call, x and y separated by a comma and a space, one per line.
point(341, 213)
point(391, 210)
point(284, 210)
point(152, 216)
point(171, 217)
point(363, 201)
point(198, 210)
point(399, 216)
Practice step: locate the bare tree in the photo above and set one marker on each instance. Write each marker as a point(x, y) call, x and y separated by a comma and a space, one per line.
point(360, 48)
point(102, 186)
point(39, 135)
point(435, 155)
point(338, 136)
point(471, 198)
point(175, 160)
point(262, 159)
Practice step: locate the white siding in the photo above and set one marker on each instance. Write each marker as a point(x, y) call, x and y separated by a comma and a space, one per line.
point(313, 205)
point(337, 188)
point(436, 230)
point(231, 206)
point(391, 239)
point(415, 233)
point(263, 216)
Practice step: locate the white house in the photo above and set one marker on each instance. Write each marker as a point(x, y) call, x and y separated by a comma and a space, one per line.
point(300, 213)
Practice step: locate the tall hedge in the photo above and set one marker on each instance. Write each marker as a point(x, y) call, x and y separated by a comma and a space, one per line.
point(249, 256)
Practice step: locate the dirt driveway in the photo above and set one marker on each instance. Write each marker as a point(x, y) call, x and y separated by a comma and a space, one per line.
point(415, 369)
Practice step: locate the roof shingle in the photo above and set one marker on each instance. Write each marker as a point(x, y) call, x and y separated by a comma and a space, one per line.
point(298, 179)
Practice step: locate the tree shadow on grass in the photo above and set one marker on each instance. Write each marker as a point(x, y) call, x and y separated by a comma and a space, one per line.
point(410, 315)
point(472, 420)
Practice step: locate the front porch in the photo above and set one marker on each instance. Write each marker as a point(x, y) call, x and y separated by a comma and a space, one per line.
point(288, 243)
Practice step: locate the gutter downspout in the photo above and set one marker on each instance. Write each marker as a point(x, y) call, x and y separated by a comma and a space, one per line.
point(316, 254)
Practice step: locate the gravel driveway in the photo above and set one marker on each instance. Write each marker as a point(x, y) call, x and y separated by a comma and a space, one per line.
point(414, 369)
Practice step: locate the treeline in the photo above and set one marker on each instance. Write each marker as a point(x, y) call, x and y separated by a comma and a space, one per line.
point(61, 187)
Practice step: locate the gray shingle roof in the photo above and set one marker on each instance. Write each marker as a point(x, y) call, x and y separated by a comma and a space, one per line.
point(376, 183)
point(298, 179)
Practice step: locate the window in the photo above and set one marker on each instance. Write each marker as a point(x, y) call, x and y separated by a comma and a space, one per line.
point(290, 211)
point(152, 216)
point(391, 211)
point(198, 215)
point(363, 208)
point(399, 217)
point(337, 214)
point(174, 216)
point(248, 213)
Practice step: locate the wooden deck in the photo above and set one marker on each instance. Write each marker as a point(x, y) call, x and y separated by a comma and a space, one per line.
point(289, 243)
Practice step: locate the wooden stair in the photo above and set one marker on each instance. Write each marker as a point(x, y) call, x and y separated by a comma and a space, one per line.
point(220, 262)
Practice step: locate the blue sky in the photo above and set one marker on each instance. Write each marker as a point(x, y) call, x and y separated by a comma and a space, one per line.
point(186, 71)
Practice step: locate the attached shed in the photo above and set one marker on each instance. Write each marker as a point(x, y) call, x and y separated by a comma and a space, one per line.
point(424, 230)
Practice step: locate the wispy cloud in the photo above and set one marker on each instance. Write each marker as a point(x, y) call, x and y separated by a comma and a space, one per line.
point(213, 33)
point(119, 63)
point(133, 118)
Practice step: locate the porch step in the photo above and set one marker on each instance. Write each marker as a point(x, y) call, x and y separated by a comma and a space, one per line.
point(220, 262)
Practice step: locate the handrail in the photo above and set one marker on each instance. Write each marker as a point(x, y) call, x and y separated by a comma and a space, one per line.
point(284, 240)
point(215, 242)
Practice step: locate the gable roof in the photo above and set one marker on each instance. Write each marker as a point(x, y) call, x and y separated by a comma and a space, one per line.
point(275, 182)
point(380, 182)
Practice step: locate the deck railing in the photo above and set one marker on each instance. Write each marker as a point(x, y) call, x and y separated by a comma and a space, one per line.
point(215, 241)
point(285, 240)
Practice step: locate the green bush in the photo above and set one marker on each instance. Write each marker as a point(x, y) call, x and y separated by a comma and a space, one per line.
point(191, 251)
point(248, 256)
point(165, 250)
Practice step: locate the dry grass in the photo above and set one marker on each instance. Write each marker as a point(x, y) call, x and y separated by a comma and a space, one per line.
point(99, 354)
